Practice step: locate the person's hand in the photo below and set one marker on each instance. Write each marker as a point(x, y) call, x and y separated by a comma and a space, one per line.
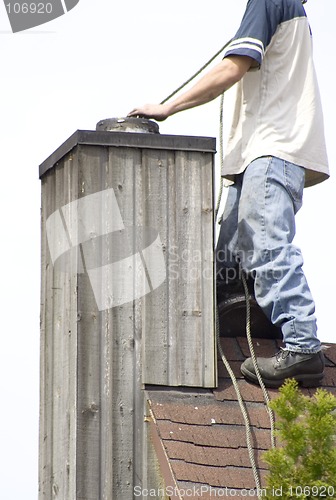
point(158, 112)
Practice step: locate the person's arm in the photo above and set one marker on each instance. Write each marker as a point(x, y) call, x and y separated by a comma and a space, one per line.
point(223, 76)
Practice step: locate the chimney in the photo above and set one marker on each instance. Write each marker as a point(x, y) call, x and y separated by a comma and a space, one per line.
point(127, 299)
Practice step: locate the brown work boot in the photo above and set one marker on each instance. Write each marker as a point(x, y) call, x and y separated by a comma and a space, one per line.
point(307, 369)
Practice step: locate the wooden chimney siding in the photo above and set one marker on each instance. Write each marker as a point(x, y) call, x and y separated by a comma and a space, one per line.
point(94, 363)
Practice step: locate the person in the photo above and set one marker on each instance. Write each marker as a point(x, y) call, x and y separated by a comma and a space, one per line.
point(275, 148)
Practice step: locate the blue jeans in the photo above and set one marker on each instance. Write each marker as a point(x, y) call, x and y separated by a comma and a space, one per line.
point(257, 230)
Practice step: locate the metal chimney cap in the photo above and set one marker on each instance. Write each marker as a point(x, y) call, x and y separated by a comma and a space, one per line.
point(137, 125)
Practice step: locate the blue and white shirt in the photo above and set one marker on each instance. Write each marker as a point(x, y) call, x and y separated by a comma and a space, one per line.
point(278, 108)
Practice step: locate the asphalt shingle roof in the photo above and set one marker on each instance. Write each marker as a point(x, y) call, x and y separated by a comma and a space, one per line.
point(202, 432)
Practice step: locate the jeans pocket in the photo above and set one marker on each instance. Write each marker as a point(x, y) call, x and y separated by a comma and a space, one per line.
point(295, 181)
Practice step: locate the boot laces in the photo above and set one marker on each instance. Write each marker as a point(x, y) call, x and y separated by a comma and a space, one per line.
point(282, 354)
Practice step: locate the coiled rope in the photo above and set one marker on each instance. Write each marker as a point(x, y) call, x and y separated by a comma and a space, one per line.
point(242, 405)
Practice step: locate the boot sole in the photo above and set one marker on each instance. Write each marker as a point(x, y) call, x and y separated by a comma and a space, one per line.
point(311, 380)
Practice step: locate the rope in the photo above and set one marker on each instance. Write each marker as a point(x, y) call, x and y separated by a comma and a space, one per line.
point(243, 409)
point(221, 155)
point(246, 291)
point(242, 405)
point(195, 74)
point(247, 295)
point(254, 360)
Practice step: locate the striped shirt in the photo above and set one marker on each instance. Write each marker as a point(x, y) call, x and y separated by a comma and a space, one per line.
point(278, 108)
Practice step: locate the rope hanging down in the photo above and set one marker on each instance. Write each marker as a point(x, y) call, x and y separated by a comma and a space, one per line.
point(246, 291)
point(241, 403)
point(242, 406)
point(254, 360)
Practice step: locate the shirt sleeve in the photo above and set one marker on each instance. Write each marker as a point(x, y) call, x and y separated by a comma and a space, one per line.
point(259, 23)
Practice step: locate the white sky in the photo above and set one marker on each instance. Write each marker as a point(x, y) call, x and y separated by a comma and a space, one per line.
point(98, 61)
